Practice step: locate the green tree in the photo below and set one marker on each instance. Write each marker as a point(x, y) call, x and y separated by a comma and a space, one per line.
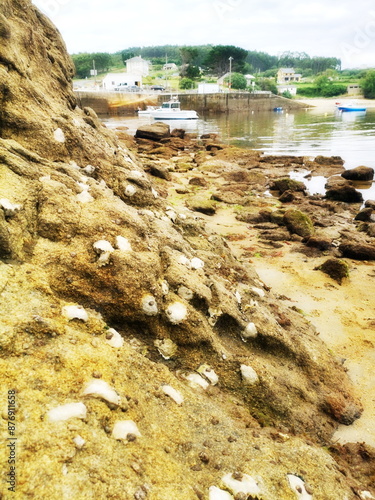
point(127, 54)
point(368, 84)
point(188, 55)
point(189, 71)
point(267, 84)
point(84, 62)
point(218, 59)
point(187, 83)
point(238, 81)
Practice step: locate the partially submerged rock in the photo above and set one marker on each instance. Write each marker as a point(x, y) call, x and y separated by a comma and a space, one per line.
point(360, 173)
point(343, 191)
point(154, 132)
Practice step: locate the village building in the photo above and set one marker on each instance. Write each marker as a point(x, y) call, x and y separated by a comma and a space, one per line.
point(137, 65)
point(288, 75)
point(113, 80)
point(170, 66)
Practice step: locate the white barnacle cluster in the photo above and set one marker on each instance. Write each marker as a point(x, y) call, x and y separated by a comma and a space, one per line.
point(123, 429)
point(164, 287)
point(89, 169)
point(166, 347)
point(98, 388)
point(67, 411)
point(136, 174)
point(173, 394)
point(84, 196)
point(365, 495)
point(196, 381)
point(209, 373)
point(202, 378)
point(130, 190)
point(114, 339)
point(214, 315)
point(249, 375)
point(104, 249)
point(9, 209)
point(238, 483)
point(250, 332)
point(185, 293)
point(194, 263)
point(149, 305)
point(59, 135)
point(79, 442)
point(215, 493)
point(171, 215)
point(123, 244)
point(176, 312)
point(298, 486)
point(73, 311)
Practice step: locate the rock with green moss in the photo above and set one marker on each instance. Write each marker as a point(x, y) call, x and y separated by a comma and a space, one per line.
point(287, 184)
point(202, 204)
point(336, 269)
point(299, 223)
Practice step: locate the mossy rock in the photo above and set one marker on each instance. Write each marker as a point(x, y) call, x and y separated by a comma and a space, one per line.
point(299, 223)
point(202, 204)
point(287, 184)
point(336, 269)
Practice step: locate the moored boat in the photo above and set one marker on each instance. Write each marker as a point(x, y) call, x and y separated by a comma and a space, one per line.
point(170, 110)
point(350, 107)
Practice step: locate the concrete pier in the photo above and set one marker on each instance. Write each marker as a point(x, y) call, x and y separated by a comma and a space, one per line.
point(125, 103)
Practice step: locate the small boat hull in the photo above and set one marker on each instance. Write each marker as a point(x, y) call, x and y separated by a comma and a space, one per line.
point(174, 115)
point(351, 108)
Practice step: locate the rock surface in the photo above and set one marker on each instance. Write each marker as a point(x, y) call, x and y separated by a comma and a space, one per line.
point(84, 225)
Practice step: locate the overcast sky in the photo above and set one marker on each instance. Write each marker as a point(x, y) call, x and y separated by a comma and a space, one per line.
point(337, 28)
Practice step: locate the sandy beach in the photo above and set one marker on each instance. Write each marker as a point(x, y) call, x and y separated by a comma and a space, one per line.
point(330, 103)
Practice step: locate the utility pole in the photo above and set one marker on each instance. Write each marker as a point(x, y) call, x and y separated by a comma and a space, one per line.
point(93, 71)
point(230, 73)
point(166, 74)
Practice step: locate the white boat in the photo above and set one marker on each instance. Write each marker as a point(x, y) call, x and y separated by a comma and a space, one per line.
point(170, 110)
point(147, 111)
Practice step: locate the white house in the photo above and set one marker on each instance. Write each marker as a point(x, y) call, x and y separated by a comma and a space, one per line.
point(208, 88)
point(113, 80)
point(170, 66)
point(137, 65)
point(292, 89)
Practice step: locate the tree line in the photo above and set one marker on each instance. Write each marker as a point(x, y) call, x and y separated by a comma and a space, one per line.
point(212, 59)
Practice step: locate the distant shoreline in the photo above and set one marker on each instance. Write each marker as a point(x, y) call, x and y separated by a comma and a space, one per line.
point(329, 103)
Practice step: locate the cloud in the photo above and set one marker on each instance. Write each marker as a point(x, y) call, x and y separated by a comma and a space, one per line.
point(314, 26)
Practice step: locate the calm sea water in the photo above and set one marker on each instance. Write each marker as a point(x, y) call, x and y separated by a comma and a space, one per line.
point(350, 135)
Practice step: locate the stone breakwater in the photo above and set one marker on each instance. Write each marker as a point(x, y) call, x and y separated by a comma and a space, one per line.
point(147, 361)
point(125, 103)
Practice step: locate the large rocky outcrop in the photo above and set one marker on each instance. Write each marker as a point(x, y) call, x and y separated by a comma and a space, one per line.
point(111, 302)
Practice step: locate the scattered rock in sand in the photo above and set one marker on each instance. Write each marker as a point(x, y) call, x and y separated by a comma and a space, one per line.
point(299, 223)
point(336, 269)
point(358, 251)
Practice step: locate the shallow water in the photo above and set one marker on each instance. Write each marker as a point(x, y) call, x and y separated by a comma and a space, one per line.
point(309, 132)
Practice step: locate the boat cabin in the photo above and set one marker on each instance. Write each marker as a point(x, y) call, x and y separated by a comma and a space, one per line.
point(171, 105)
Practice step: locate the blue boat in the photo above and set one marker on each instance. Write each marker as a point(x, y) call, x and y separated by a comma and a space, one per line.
point(351, 107)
